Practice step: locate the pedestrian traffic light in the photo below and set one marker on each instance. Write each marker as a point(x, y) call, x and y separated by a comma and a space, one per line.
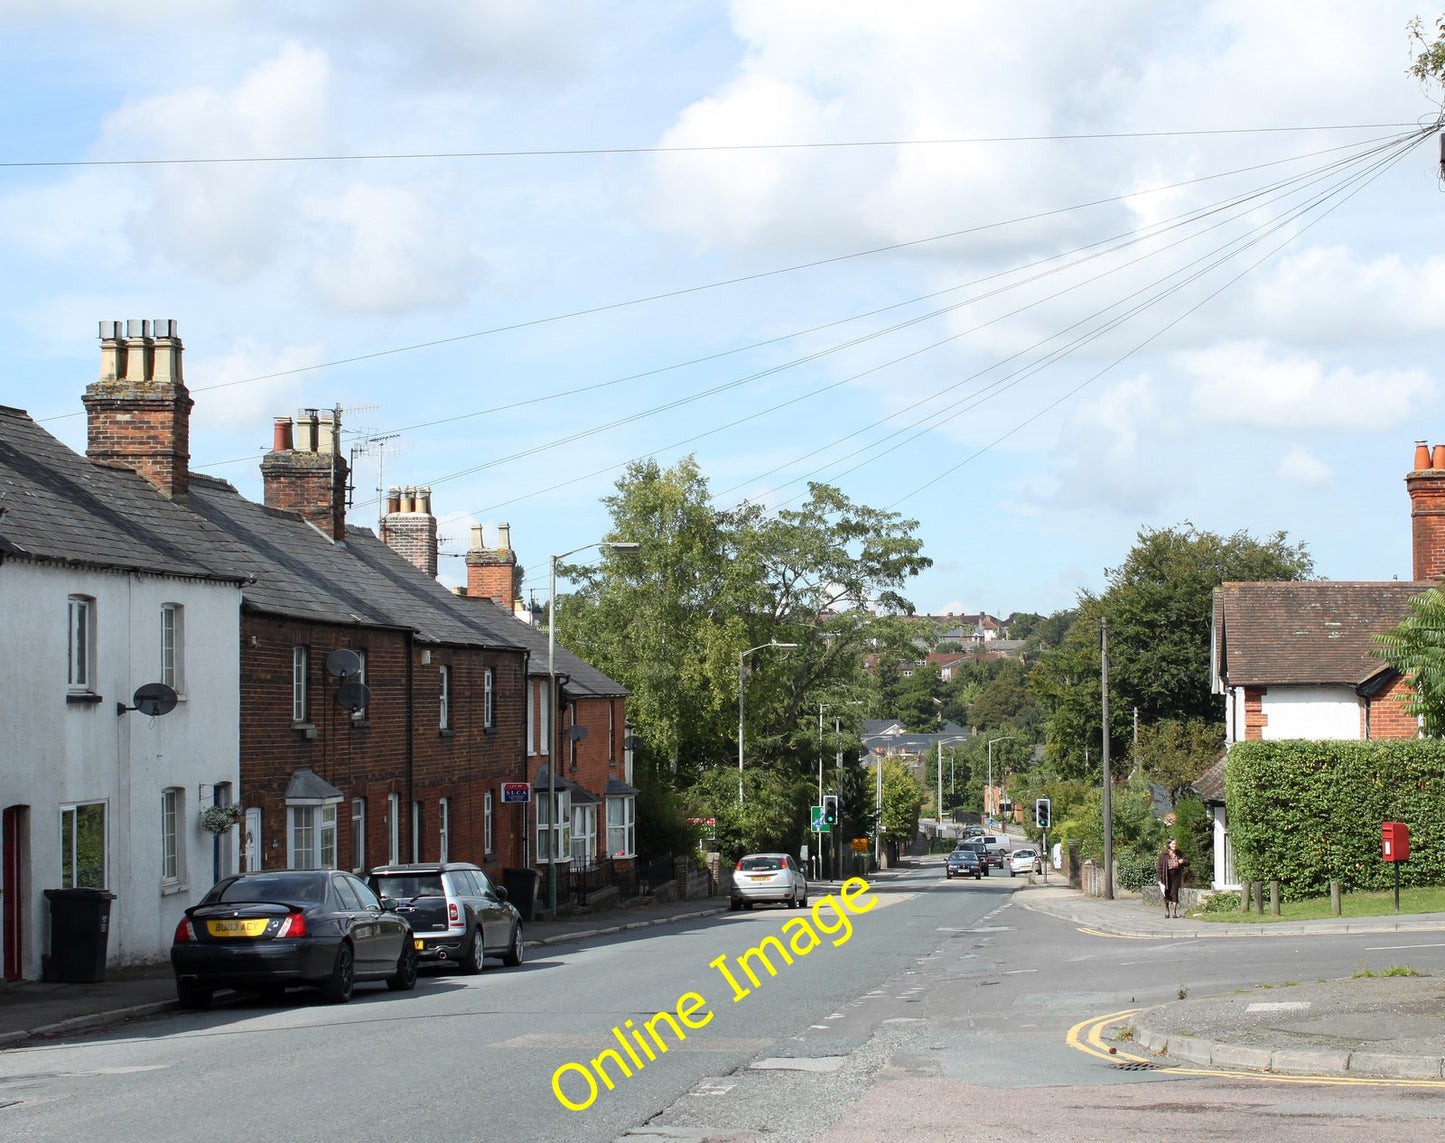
point(1041, 813)
point(830, 809)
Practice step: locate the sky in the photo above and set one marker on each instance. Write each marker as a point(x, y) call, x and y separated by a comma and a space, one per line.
point(1035, 276)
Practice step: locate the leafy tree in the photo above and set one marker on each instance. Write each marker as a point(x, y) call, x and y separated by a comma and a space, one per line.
point(1416, 647)
point(920, 699)
point(1004, 701)
point(902, 802)
point(1427, 55)
point(1159, 606)
point(771, 818)
point(1173, 754)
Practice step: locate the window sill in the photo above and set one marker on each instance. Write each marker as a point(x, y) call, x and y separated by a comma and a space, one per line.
point(445, 732)
point(171, 888)
point(305, 729)
point(489, 730)
point(83, 698)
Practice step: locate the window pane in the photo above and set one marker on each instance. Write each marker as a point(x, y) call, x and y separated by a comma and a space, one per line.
point(299, 660)
point(168, 834)
point(90, 846)
point(328, 836)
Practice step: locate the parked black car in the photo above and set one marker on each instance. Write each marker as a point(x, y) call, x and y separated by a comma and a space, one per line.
point(455, 911)
point(270, 930)
point(965, 861)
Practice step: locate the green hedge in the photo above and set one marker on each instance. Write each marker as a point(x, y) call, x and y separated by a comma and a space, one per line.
point(1307, 813)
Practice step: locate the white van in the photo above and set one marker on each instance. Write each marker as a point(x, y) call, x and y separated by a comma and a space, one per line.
point(995, 845)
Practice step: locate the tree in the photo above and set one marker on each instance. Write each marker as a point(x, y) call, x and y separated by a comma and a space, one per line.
point(1172, 754)
point(920, 699)
point(1159, 607)
point(1416, 648)
point(1427, 56)
point(1004, 701)
point(902, 802)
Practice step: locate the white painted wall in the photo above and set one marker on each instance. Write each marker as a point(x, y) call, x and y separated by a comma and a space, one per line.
point(1311, 712)
point(54, 753)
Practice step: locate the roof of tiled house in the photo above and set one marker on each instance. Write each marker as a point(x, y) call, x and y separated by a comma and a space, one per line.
point(1304, 633)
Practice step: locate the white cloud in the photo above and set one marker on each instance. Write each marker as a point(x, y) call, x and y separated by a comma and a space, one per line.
point(244, 413)
point(388, 249)
point(1244, 385)
point(1306, 470)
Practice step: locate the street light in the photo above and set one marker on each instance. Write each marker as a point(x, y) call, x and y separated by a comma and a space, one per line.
point(989, 793)
point(742, 656)
point(552, 720)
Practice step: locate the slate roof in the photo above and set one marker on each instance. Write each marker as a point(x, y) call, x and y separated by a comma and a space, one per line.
point(1310, 633)
point(61, 508)
point(887, 734)
point(299, 573)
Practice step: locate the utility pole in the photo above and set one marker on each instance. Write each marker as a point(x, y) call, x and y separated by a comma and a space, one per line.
point(1108, 778)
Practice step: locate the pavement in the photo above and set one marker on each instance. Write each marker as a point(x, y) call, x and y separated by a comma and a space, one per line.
point(1381, 1026)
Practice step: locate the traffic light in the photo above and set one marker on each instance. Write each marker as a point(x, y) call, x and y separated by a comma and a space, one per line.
point(1041, 813)
point(830, 809)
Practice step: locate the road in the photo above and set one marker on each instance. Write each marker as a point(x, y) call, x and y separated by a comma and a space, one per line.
point(945, 1013)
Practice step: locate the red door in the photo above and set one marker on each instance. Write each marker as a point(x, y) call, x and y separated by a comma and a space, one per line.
point(11, 832)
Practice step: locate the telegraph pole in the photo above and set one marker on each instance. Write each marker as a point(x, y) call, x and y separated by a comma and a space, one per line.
point(1108, 778)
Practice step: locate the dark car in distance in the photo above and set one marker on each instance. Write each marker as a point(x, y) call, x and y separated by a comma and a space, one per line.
point(456, 912)
point(965, 861)
point(267, 931)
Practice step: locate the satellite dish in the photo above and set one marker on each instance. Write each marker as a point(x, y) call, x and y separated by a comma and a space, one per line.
point(154, 699)
point(577, 733)
point(353, 696)
point(343, 663)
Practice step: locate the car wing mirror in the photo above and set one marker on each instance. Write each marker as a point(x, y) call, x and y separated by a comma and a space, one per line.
point(501, 892)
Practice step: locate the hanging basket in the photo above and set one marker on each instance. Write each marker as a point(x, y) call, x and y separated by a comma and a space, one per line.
point(219, 819)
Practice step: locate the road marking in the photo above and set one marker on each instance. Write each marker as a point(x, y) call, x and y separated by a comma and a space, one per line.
point(1395, 948)
point(1087, 1037)
point(1277, 1006)
point(1117, 936)
point(800, 1063)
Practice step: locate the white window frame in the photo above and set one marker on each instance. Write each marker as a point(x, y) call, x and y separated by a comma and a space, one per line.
point(393, 829)
point(70, 879)
point(416, 831)
point(487, 847)
point(251, 840)
point(173, 627)
point(444, 826)
point(444, 697)
point(80, 643)
point(358, 835)
point(622, 835)
point(225, 843)
point(173, 849)
point(300, 696)
point(359, 677)
point(487, 679)
point(584, 835)
point(561, 833)
point(541, 702)
point(311, 834)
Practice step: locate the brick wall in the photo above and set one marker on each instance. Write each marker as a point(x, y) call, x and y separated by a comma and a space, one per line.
point(1255, 720)
point(138, 413)
point(1386, 712)
point(310, 484)
point(1427, 522)
point(368, 757)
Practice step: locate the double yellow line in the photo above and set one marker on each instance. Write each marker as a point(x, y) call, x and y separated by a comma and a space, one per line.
point(1088, 1037)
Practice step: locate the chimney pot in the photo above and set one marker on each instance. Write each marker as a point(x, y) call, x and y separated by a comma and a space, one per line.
point(1422, 456)
point(476, 537)
point(306, 430)
point(1439, 461)
point(504, 537)
point(281, 435)
point(393, 500)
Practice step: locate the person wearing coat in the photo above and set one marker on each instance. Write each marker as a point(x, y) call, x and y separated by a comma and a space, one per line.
point(1170, 869)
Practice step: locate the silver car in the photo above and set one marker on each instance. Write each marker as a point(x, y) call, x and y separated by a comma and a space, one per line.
point(768, 877)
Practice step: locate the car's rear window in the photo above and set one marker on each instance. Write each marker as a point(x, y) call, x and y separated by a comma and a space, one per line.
point(284, 887)
point(405, 886)
point(756, 864)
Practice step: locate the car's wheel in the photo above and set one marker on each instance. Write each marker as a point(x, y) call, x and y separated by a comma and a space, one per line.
point(404, 979)
point(336, 988)
point(475, 958)
point(1010, 870)
point(734, 906)
point(948, 876)
point(514, 956)
point(803, 904)
point(748, 905)
point(978, 876)
point(189, 994)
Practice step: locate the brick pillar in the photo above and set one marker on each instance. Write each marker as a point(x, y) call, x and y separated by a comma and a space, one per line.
point(139, 411)
point(491, 572)
point(412, 534)
point(310, 478)
point(1426, 486)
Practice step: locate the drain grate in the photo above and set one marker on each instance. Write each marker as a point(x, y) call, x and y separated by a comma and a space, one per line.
point(1134, 1066)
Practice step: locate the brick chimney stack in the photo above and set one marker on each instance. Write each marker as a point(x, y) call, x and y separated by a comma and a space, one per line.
point(409, 528)
point(491, 572)
point(139, 411)
point(1426, 485)
point(305, 472)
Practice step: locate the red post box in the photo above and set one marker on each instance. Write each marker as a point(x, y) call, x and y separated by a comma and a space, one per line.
point(1395, 841)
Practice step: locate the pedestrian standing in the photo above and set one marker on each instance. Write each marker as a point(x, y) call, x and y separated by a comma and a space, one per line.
point(1170, 869)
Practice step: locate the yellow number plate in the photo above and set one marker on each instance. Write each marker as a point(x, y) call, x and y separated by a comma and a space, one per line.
point(252, 928)
point(418, 945)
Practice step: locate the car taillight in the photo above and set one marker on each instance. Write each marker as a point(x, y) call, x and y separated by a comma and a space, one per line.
point(452, 914)
point(293, 926)
point(739, 865)
point(184, 932)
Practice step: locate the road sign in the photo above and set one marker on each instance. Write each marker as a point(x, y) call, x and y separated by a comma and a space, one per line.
point(516, 792)
point(819, 825)
point(860, 845)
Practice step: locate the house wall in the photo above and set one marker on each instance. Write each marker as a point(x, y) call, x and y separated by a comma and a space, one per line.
point(368, 757)
point(55, 752)
point(1386, 715)
point(1310, 712)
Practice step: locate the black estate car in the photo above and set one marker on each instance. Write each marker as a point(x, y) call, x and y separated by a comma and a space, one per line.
point(455, 911)
point(965, 861)
point(280, 927)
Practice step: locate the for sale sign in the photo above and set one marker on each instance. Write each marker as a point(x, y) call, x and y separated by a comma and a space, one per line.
point(516, 792)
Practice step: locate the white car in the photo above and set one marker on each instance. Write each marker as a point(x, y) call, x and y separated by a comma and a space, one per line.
point(768, 877)
point(1023, 861)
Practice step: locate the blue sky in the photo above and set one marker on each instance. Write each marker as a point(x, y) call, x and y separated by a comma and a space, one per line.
point(1036, 276)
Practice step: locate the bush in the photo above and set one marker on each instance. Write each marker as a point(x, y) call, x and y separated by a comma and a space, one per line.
point(1135, 873)
point(1221, 903)
point(1308, 813)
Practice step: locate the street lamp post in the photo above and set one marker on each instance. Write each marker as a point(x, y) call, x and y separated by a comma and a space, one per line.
point(989, 793)
point(742, 658)
point(552, 717)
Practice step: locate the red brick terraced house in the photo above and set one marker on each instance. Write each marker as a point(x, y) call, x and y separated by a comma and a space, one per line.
point(379, 713)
